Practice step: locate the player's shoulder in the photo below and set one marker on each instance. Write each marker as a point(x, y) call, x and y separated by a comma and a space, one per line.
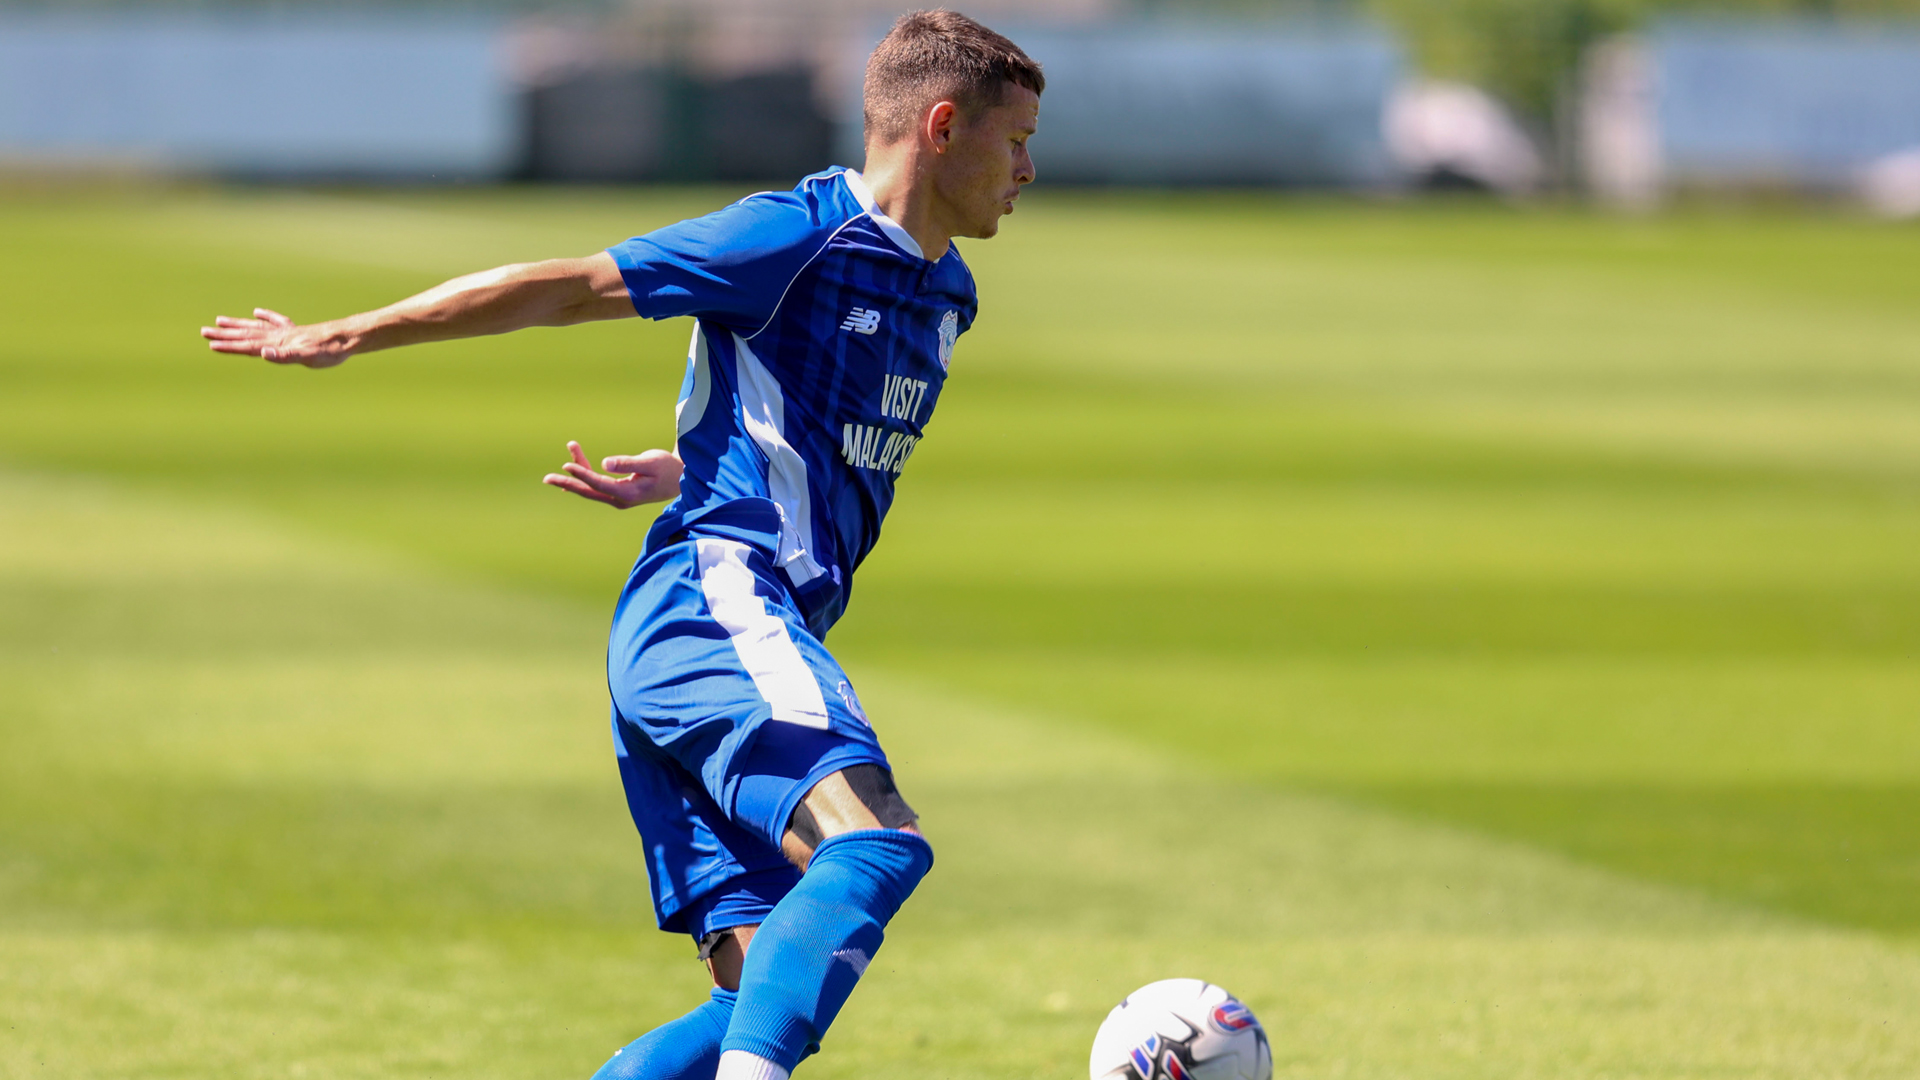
point(834, 209)
point(818, 205)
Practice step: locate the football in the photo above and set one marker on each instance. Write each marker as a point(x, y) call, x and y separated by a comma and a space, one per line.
point(1180, 1029)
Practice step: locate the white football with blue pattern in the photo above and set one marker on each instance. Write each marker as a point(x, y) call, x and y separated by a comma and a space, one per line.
point(1181, 1029)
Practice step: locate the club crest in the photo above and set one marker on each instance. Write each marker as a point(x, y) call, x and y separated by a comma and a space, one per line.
point(949, 333)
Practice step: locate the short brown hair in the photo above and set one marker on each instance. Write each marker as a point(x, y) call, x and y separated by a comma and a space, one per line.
point(930, 56)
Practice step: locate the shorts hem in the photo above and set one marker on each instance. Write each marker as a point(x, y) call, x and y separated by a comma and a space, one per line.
point(676, 921)
point(703, 915)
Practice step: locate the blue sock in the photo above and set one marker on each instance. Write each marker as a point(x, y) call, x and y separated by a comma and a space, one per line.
point(819, 940)
point(683, 1049)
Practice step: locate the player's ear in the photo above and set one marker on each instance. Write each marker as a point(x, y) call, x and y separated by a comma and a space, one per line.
point(939, 124)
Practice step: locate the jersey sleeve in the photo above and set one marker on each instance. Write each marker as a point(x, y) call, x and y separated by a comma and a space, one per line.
point(732, 265)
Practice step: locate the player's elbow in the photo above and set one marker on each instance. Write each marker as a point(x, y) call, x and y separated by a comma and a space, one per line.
point(583, 290)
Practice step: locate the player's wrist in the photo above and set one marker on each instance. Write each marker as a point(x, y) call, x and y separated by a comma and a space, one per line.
point(355, 334)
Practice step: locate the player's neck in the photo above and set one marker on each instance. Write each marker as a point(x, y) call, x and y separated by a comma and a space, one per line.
point(904, 192)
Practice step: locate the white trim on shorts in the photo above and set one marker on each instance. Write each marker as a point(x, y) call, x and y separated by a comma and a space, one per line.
point(759, 637)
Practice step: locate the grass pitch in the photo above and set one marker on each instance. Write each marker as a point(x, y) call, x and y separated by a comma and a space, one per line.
point(1483, 640)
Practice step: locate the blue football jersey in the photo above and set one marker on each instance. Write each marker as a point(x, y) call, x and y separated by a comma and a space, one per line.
point(822, 341)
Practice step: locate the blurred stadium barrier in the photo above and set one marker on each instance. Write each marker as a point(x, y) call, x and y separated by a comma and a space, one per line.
point(762, 90)
point(352, 94)
point(657, 92)
point(1785, 104)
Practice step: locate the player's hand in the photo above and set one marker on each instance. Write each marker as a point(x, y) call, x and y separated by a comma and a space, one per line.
point(272, 336)
point(628, 481)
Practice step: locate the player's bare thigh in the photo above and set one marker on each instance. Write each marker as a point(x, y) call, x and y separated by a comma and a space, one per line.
point(837, 804)
point(859, 797)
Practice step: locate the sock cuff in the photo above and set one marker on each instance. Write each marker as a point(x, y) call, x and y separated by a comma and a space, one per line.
point(880, 867)
point(746, 1065)
point(725, 997)
point(909, 845)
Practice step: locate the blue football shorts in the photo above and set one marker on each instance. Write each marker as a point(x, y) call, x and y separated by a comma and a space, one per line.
point(726, 712)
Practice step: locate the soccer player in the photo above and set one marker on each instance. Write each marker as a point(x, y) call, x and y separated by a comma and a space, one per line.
point(826, 319)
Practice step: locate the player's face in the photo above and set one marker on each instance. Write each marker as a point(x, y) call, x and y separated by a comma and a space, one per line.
point(986, 163)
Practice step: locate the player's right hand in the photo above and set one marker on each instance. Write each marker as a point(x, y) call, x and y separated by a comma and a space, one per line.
point(272, 336)
point(653, 476)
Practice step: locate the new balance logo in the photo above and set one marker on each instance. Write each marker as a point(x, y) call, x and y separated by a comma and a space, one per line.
point(856, 959)
point(862, 321)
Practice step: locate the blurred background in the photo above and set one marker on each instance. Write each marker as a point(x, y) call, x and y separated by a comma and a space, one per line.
point(1423, 533)
point(1623, 100)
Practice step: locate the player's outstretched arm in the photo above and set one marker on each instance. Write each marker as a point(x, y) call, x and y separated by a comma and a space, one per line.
point(629, 481)
point(557, 292)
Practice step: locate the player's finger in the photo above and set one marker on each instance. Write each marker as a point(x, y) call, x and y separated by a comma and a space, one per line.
point(586, 475)
point(273, 317)
point(231, 321)
point(568, 483)
point(579, 456)
point(247, 348)
point(230, 333)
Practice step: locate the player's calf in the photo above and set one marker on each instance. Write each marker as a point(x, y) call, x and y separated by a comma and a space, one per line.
point(684, 1049)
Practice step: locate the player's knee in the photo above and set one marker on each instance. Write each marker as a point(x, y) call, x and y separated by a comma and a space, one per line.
point(857, 797)
point(882, 866)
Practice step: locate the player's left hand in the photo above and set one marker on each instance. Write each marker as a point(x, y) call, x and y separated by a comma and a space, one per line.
point(629, 480)
point(277, 339)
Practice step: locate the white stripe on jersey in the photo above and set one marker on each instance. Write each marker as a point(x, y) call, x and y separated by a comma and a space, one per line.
point(763, 407)
point(760, 639)
point(688, 411)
